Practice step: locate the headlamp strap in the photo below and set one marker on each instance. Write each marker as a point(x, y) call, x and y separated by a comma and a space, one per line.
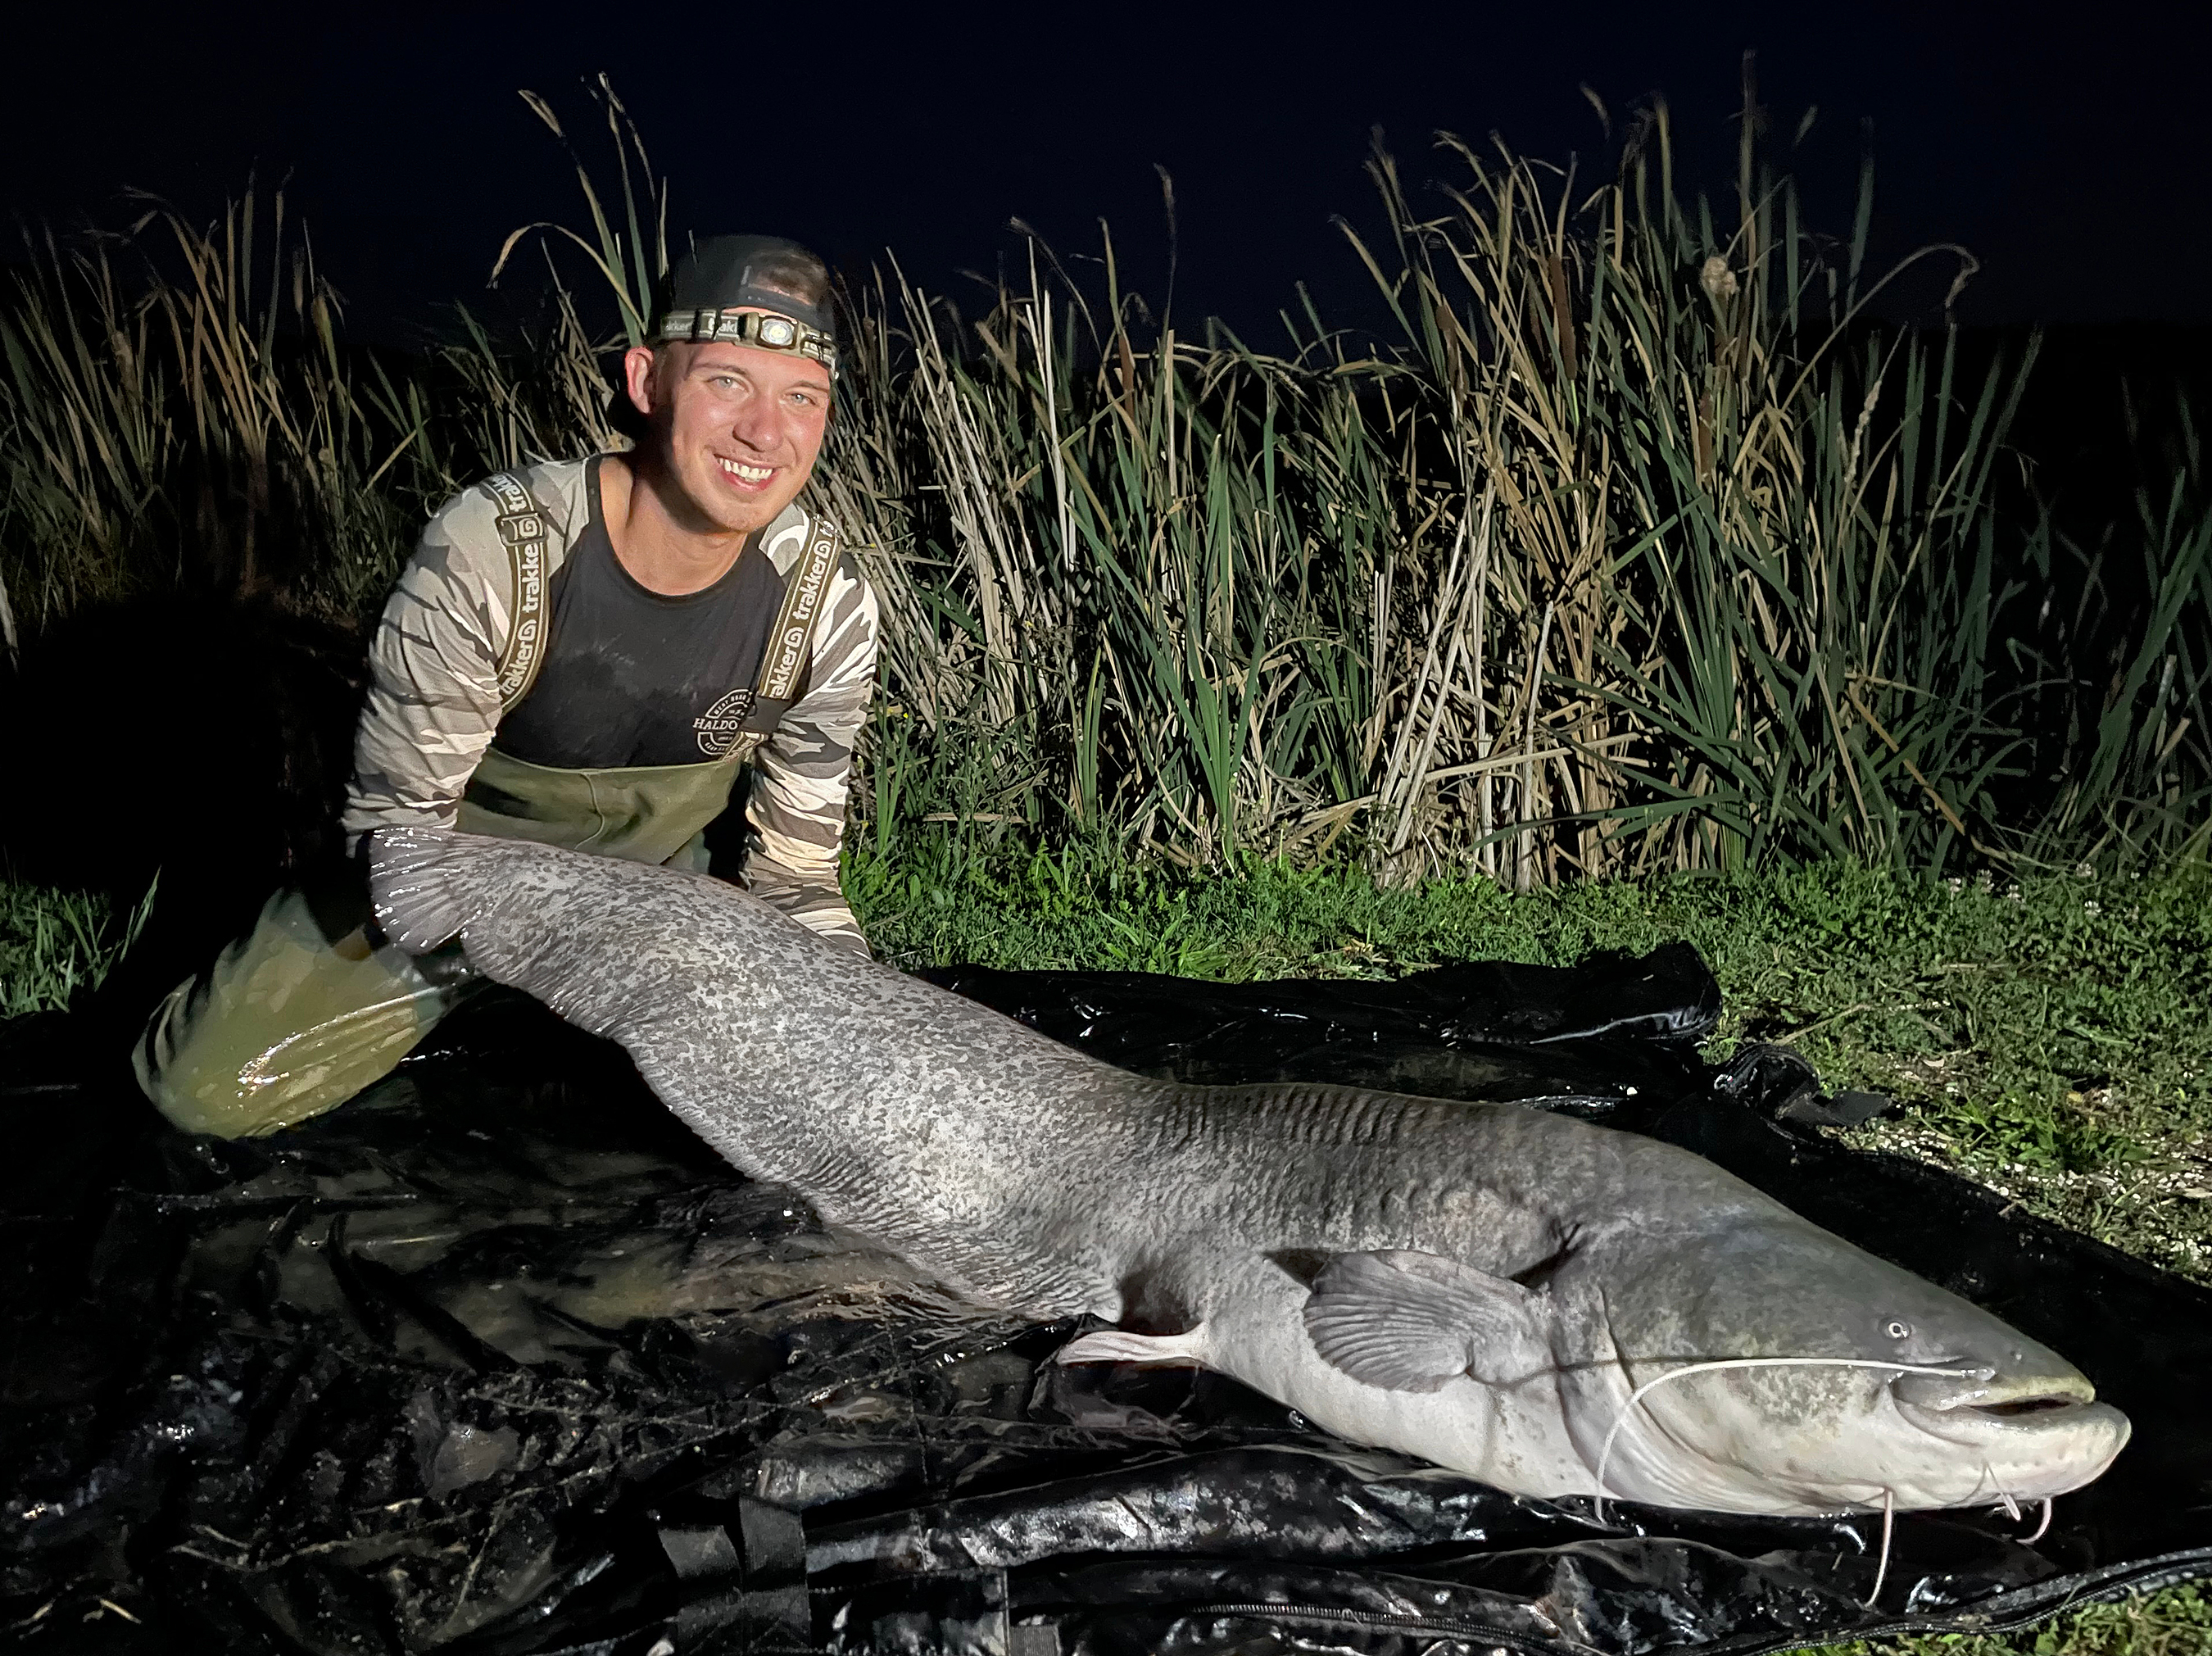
point(762, 330)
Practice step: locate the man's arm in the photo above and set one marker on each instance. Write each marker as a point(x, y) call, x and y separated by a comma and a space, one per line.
point(434, 693)
point(804, 769)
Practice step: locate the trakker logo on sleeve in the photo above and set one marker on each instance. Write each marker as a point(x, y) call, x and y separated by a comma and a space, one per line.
point(522, 527)
point(802, 599)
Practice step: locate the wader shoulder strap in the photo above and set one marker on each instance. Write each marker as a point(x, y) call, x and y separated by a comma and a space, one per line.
point(522, 528)
point(785, 660)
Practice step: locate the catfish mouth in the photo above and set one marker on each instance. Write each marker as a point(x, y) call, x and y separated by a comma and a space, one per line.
point(1975, 1400)
point(2025, 1406)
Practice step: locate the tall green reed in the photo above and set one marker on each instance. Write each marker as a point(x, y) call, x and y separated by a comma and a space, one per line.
point(2133, 780)
point(178, 409)
point(1738, 543)
point(1649, 552)
point(1642, 547)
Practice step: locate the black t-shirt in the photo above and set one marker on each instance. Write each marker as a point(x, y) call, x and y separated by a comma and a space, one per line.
point(631, 677)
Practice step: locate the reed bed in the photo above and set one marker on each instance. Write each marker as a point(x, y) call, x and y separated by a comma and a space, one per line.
point(1635, 545)
point(1642, 548)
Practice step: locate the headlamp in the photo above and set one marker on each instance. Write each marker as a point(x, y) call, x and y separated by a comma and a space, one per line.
point(762, 330)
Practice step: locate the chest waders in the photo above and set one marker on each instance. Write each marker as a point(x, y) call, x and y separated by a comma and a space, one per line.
point(305, 1011)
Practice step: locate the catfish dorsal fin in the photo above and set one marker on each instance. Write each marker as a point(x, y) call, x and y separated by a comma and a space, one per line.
point(1411, 1322)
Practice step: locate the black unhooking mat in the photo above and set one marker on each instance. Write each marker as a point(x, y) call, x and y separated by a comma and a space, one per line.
point(500, 1358)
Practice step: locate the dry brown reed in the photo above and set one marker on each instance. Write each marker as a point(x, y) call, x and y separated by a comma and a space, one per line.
point(1641, 547)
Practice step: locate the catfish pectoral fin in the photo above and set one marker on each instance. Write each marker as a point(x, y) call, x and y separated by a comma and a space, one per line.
point(1114, 1345)
point(1411, 1322)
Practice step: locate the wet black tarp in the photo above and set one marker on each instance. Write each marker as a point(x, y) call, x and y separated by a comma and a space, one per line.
point(500, 1358)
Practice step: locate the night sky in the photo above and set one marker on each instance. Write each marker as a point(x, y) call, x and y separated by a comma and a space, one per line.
point(2069, 155)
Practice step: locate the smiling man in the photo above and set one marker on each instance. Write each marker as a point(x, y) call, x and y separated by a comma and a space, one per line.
point(586, 653)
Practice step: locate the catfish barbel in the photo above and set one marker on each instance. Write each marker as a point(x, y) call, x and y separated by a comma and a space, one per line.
point(1519, 1296)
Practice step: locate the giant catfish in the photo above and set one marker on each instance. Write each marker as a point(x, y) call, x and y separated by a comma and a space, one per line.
point(1529, 1298)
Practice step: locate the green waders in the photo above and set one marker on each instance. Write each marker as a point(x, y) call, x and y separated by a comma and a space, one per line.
point(303, 1012)
point(294, 1019)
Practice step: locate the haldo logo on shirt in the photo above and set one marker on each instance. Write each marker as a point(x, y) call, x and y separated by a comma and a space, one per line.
point(722, 726)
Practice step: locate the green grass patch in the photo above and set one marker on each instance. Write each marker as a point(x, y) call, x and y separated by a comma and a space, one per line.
point(55, 945)
point(2175, 1622)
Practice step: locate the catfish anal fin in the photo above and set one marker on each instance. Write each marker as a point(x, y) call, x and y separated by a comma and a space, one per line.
point(1117, 1345)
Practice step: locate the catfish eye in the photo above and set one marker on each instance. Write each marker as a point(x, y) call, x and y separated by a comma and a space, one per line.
point(1898, 1331)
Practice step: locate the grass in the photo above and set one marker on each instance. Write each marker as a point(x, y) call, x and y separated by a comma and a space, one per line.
point(2047, 1037)
point(55, 945)
point(2175, 1622)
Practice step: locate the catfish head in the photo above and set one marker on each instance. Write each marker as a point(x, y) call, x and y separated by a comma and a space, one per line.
point(1765, 1367)
point(1776, 1368)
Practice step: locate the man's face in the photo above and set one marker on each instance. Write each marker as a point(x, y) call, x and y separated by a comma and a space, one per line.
point(738, 427)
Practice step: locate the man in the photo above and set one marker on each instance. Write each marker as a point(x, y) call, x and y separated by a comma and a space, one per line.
point(584, 653)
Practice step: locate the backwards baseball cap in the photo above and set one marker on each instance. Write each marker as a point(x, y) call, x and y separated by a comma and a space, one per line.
point(751, 290)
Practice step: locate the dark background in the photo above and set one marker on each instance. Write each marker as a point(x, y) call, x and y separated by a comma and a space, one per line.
point(2065, 151)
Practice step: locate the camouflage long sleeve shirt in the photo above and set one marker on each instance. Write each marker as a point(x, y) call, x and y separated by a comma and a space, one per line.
point(434, 702)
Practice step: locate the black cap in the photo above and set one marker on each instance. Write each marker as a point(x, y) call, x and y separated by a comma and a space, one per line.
point(726, 272)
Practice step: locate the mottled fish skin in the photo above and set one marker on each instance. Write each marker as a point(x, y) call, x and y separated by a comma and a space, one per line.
point(1031, 1177)
point(975, 1145)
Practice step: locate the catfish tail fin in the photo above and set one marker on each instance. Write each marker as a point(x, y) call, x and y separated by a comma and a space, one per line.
point(425, 884)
